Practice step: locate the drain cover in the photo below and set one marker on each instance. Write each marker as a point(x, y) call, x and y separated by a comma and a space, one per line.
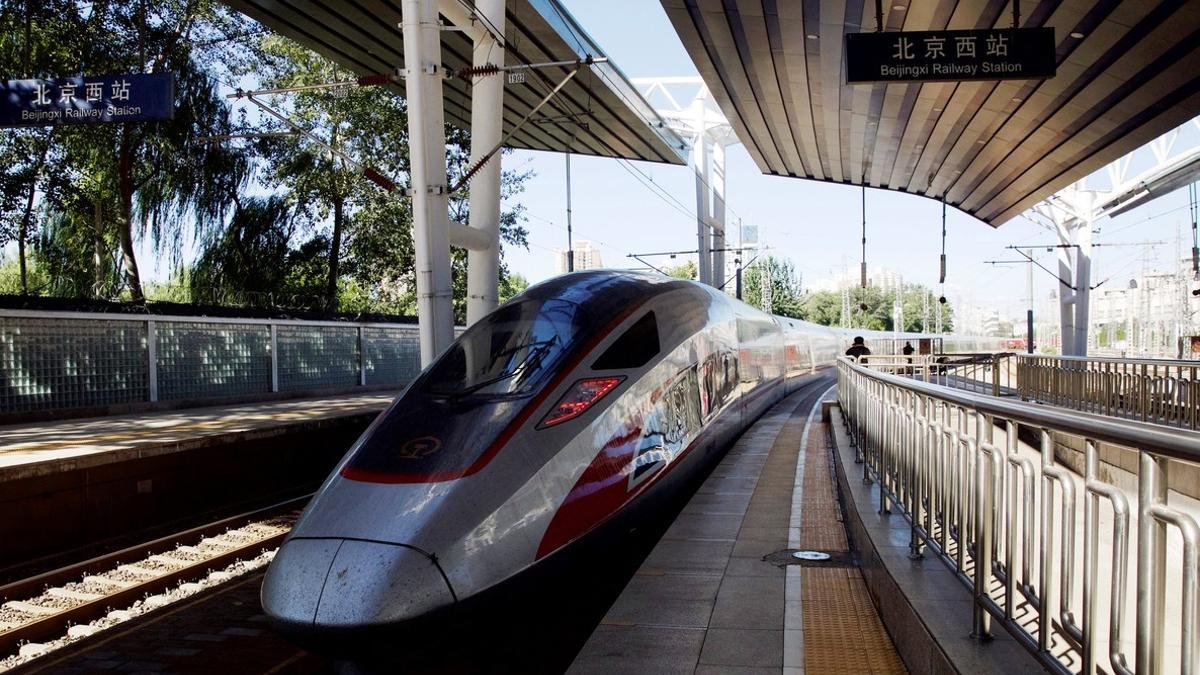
point(791, 556)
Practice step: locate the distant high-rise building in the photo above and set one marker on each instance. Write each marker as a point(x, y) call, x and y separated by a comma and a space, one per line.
point(586, 258)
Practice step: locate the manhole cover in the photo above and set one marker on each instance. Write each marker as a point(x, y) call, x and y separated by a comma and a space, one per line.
point(791, 556)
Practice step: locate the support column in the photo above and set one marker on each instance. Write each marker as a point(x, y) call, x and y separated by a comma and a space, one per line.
point(487, 106)
point(703, 166)
point(1066, 297)
point(427, 152)
point(1083, 280)
point(718, 214)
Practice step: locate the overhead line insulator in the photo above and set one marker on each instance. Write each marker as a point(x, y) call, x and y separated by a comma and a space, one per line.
point(473, 71)
point(374, 80)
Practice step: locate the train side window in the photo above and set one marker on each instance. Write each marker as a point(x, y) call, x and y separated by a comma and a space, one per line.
point(634, 349)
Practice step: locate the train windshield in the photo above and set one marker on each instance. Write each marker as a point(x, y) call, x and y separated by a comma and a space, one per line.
point(509, 352)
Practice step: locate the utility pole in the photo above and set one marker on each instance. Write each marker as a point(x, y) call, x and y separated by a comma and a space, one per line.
point(570, 246)
point(1029, 312)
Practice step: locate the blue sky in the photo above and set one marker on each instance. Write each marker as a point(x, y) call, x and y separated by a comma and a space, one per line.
point(815, 225)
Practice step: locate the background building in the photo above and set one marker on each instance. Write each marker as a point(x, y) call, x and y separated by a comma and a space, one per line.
point(586, 258)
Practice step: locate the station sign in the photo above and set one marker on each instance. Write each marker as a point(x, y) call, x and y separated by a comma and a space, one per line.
point(81, 100)
point(951, 55)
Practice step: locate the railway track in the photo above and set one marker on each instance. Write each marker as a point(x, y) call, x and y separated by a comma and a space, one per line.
point(45, 606)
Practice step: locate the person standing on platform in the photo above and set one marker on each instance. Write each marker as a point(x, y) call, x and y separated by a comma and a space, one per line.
point(858, 349)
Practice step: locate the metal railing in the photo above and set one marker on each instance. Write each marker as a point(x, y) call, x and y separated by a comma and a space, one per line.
point(984, 372)
point(71, 360)
point(1150, 390)
point(1009, 521)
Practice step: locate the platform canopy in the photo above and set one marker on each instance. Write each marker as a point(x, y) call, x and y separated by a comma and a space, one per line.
point(1126, 74)
point(598, 113)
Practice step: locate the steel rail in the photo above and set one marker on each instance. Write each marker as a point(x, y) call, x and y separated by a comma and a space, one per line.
point(53, 624)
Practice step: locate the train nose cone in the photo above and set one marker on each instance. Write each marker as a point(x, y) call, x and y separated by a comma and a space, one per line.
point(347, 584)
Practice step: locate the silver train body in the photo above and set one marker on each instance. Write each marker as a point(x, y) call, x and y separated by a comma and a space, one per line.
point(564, 407)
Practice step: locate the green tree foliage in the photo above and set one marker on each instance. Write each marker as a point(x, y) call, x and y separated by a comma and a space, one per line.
point(785, 286)
point(684, 270)
point(131, 179)
point(825, 307)
point(365, 229)
point(279, 221)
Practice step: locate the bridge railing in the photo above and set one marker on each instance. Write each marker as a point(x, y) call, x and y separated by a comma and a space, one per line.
point(1075, 567)
point(983, 372)
point(62, 361)
point(1150, 390)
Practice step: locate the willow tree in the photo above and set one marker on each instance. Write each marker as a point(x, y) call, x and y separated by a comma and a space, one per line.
point(161, 179)
point(36, 39)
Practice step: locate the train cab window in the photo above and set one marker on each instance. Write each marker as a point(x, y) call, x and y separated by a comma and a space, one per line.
point(634, 349)
point(508, 352)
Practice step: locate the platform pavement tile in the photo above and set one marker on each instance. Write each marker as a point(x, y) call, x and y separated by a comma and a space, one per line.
point(142, 667)
point(666, 600)
point(735, 670)
point(749, 602)
point(704, 526)
point(204, 637)
point(242, 632)
point(764, 517)
point(761, 544)
point(616, 650)
point(690, 556)
point(753, 567)
point(721, 501)
point(743, 647)
point(720, 485)
point(176, 651)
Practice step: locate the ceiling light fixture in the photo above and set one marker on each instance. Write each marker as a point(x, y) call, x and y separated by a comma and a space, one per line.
point(1076, 34)
point(811, 36)
point(899, 8)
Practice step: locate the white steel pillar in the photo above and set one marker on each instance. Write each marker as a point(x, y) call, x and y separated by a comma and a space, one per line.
point(427, 152)
point(703, 165)
point(1083, 280)
point(487, 101)
point(1066, 297)
point(718, 214)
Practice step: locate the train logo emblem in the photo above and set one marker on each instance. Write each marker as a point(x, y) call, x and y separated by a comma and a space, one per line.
point(420, 447)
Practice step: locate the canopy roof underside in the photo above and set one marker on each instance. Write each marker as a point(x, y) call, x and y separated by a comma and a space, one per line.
point(597, 113)
point(993, 149)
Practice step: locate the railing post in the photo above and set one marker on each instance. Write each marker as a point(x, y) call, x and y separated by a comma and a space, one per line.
point(152, 360)
point(362, 359)
point(995, 375)
point(1151, 562)
point(981, 619)
point(273, 349)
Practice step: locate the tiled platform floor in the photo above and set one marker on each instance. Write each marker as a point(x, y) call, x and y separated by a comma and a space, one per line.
point(707, 601)
point(44, 448)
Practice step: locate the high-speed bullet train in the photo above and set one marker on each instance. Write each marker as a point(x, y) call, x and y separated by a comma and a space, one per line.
point(562, 408)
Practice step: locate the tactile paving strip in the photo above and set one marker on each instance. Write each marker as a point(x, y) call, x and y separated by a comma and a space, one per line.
point(820, 518)
point(842, 631)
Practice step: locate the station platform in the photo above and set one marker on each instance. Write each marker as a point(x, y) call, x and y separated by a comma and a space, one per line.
point(722, 592)
point(45, 448)
point(719, 592)
point(70, 489)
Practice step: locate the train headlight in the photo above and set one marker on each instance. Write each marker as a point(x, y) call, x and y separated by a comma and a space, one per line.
point(581, 396)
